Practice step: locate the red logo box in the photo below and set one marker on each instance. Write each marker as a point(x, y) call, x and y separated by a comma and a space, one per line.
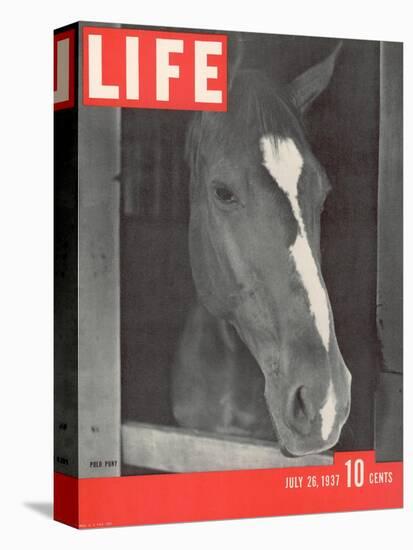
point(154, 69)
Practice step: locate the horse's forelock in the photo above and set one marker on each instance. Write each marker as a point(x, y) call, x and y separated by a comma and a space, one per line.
point(264, 106)
point(256, 108)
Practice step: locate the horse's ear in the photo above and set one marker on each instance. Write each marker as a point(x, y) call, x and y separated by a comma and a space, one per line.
point(309, 85)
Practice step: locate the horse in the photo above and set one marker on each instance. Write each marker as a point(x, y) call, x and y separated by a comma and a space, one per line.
point(258, 355)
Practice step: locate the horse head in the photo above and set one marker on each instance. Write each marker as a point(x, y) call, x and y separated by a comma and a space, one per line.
point(257, 192)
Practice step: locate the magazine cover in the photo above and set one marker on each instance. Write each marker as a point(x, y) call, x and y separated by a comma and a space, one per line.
point(228, 275)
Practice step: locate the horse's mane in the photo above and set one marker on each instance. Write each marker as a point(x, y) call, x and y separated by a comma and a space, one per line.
point(255, 107)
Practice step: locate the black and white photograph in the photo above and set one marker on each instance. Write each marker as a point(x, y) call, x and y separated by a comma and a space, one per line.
point(222, 320)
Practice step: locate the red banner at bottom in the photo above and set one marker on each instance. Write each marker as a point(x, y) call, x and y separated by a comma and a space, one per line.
point(354, 482)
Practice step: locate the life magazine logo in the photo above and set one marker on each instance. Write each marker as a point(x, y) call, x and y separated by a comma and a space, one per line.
point(143, 69)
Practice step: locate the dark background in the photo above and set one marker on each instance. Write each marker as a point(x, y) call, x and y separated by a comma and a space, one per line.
point(156, 283)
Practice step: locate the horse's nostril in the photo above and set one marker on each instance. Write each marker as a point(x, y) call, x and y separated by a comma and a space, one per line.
point(301, 411)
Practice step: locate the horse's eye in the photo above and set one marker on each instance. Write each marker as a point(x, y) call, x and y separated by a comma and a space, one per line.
point(224, 194)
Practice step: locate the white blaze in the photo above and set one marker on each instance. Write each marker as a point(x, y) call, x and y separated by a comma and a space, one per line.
point(328, 412)
point(284, 162)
